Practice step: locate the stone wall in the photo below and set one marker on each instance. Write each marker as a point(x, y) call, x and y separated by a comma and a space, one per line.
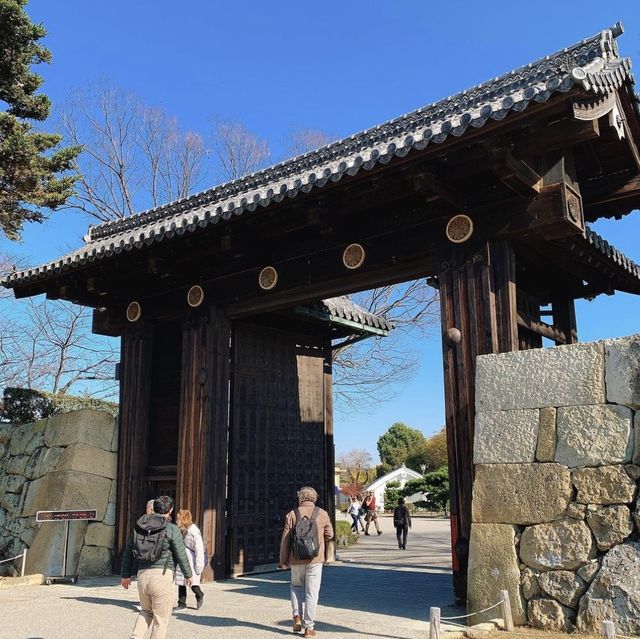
point(556, 512)
point(64, 462)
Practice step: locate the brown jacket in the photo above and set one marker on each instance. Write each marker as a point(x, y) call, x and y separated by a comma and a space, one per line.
point(325, 532)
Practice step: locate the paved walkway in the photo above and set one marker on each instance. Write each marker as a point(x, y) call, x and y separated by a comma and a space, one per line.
point(375, 590)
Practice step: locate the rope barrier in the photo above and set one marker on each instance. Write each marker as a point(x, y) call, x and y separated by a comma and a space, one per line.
point(504, 603)
point(23, 554)
point(472, 614)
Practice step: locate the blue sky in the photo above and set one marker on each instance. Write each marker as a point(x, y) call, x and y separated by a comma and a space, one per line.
point(339, 67)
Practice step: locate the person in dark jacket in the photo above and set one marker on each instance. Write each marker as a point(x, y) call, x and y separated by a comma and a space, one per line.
point(402, 522)
point(155, 580)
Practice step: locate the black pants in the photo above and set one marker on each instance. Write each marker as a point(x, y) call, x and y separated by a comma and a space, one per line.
point(401, 534)
point(182, 593)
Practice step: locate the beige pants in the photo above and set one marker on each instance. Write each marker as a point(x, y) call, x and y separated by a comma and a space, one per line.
point(156, 600)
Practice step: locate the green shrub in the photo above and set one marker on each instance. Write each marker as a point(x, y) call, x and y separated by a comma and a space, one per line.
point(344, 535)
point(391, 494)
point(24, 405)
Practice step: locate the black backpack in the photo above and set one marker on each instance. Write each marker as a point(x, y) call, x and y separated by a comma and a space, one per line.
point(149, 537)
point(304, 540)
point(400, 516)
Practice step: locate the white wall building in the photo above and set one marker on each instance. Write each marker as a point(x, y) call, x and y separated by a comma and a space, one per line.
point(402, 475)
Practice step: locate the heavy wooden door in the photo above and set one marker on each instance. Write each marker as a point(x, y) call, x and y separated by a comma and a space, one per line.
point(279, 439)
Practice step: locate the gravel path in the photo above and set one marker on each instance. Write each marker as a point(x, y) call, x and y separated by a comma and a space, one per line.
point(375, 590)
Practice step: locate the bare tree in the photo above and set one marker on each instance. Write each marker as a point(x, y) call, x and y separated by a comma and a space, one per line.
point(134, 156)
point(301, 140)
point(356, 465)
point(373, 370)
point(49, 346)
point(237, 151)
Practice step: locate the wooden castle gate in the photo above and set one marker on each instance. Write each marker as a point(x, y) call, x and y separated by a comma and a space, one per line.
point(226, 381)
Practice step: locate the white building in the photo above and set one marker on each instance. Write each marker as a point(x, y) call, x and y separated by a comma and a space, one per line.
point(402, 475)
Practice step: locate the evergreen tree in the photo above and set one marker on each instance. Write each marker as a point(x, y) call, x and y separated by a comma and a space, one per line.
point(30, 164)
point(396, 445)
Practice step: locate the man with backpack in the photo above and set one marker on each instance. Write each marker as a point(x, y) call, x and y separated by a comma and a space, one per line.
point(402, 522)
point(307, 528)
point(158, 547)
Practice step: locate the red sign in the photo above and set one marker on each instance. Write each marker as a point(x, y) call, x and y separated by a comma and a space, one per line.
point(66, 515)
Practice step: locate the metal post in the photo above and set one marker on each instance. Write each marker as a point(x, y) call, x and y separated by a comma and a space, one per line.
point(506, 610)
point(66, 545)
point(24, 562)
point(608, 630)
point(434, 623)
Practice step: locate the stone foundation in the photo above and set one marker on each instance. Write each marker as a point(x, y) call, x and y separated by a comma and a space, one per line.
point(66, 462)
point(556, 511)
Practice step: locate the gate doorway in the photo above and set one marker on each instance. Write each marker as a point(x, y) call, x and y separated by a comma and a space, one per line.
point(489, 192)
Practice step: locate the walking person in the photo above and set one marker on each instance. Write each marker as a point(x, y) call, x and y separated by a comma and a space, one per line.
point(370, 514)
point(194, 546)
point(307, 528)
point(354, 511)
point(158, 547)
point(402, 522)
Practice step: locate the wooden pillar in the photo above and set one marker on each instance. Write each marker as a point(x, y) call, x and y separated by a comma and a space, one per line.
point(478, 315)
point(564, 318)
point(204, 430)
point(135, 386)
point(330, 503)
point(194, 407)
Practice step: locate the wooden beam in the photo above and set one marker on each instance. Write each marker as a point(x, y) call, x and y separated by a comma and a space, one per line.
point(556, 135)
point(514, 173)
point(425, 181)
point(541, 328)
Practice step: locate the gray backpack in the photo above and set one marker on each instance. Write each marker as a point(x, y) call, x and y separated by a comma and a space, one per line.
point(304, 540)
point(149, 538)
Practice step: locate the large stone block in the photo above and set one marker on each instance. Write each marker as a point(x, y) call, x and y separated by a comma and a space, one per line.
point(12, 483)
point(610, 525)
point(99, 534)
point(43, 462)
point(45, 553)
point(520, 493)
point(622, 371)
point(6, 432)
point(560, 376)
point(88, 459)
point(95, 561)
point(94, 428)
point(110, 515)
point(547, 437)
point(505, 436)
point(529, 583)
point(565, 544)
point(563, 586)
point(588, 572)
point(636, 439)
point(19, 439)
point(68, 490)
point(549, 615)
point(17, 465)
point(493, 566)
point(614, 595)
point(594, 435)
point(604, 485)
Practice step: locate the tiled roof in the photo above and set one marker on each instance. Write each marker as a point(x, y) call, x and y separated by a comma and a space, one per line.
point(593, 64)
point(345, 308)
point(595, 241)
